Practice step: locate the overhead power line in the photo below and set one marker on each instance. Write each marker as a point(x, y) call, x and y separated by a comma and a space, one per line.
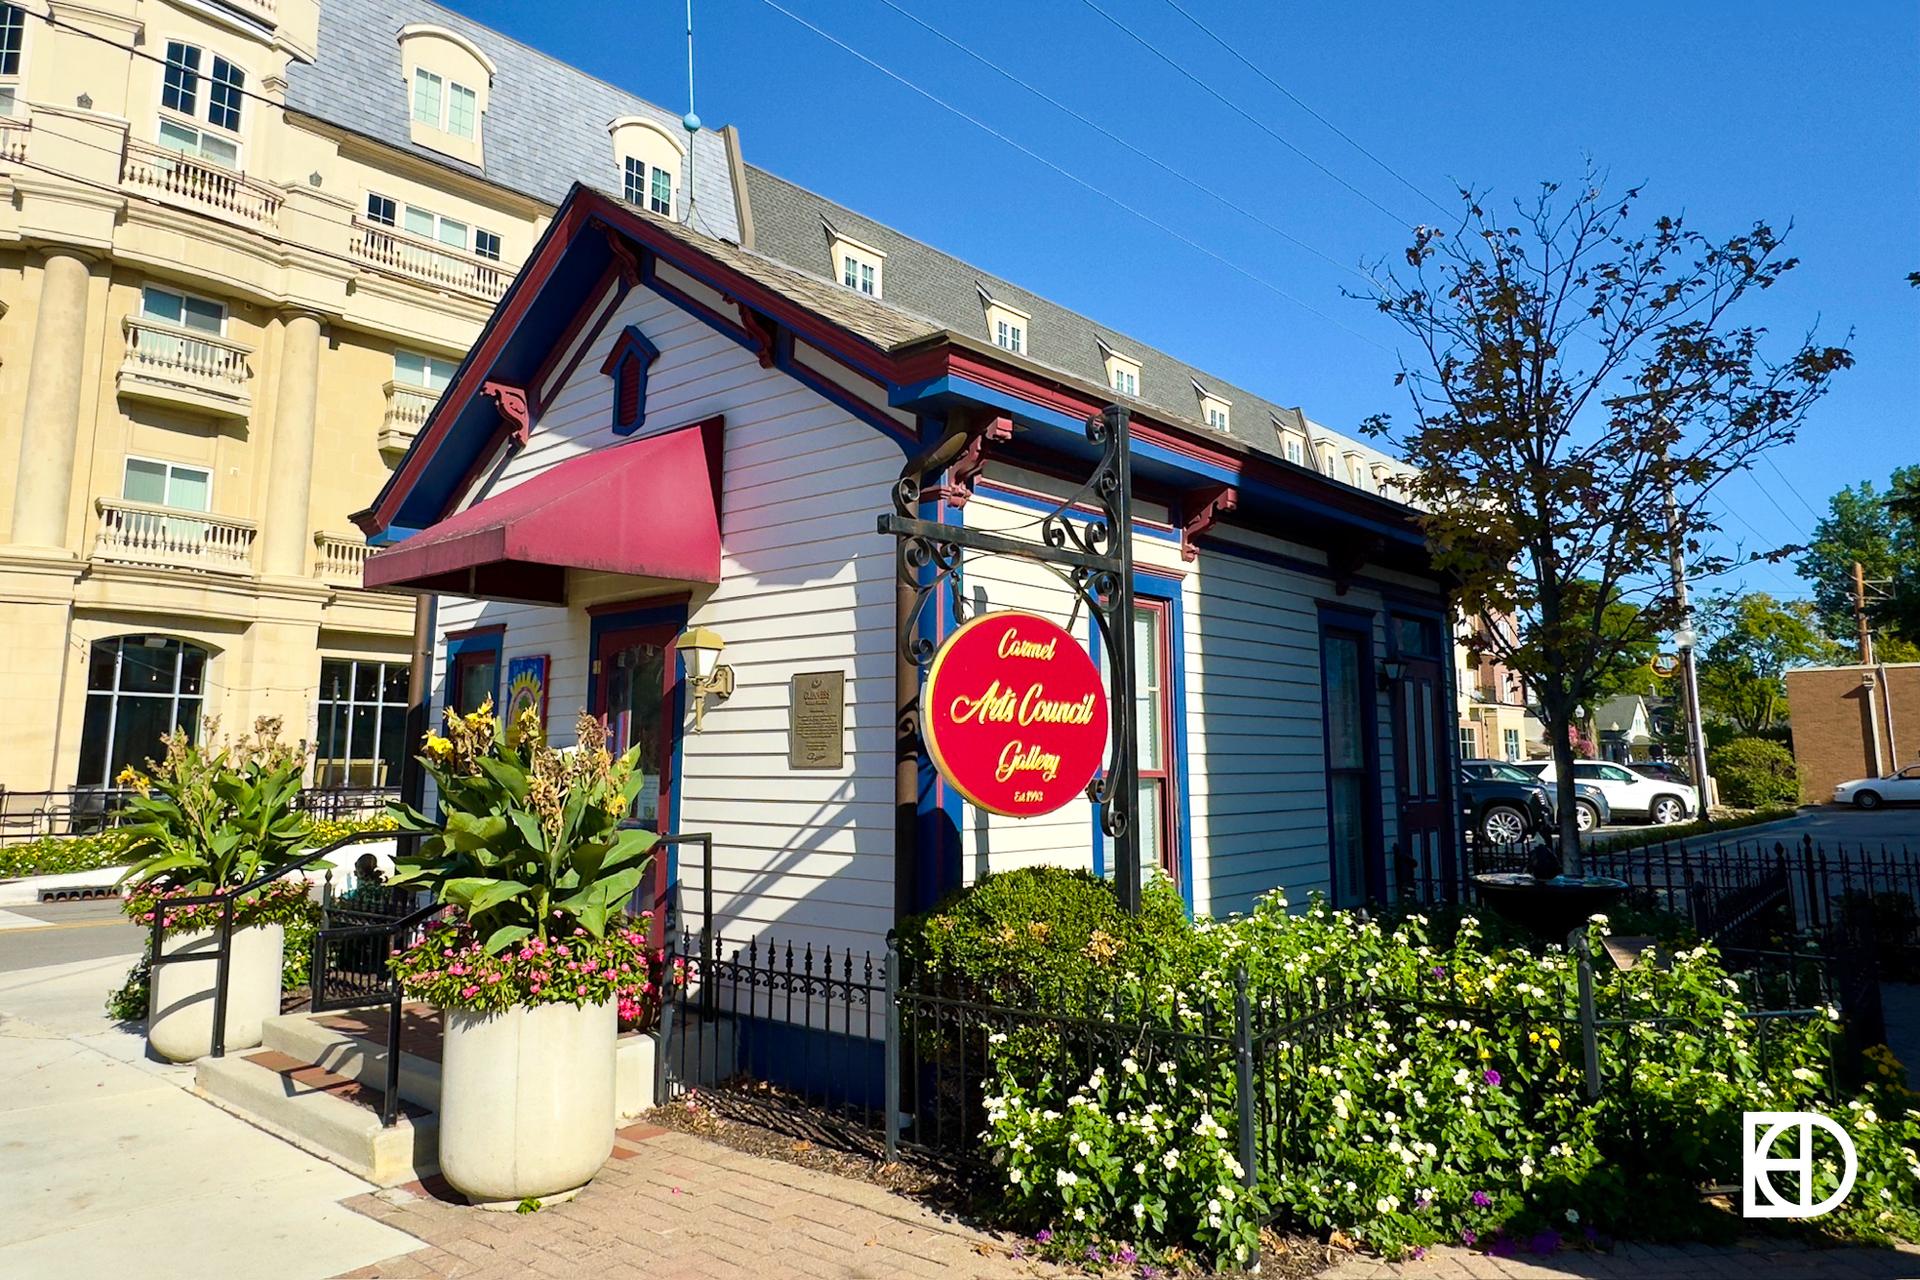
point(1115, 138)
point(1072, 177)
point(1792, 488)
point(1239, 110)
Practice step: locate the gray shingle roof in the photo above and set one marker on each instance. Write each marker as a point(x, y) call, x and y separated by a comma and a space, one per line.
point(790, 224)
point(546, 124)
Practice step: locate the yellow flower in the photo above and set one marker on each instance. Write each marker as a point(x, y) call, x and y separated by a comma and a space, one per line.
point(438, 747)
point(1533, 1037)
point(1553, 1043)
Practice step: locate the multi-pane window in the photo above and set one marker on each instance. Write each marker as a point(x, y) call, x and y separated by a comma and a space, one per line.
point(647, 185)
point(361, 730)
point(427, 372)
point(13, 28)
point(1469, 745)
point(486, 244)
point(1510, 739)
point(429, 97)
point(859, 276)
point(139, 689)
point(1294, 453)
point(1126, 381)
point(634, 186)
point(192, 140)
point(1216, 417)
point(1153, 725)
point(444, 104)
point(463, 111)
point(179, 317)
point(382, 209)
point(428, 225)
point(183, 309)
point(660, 192)
point(1346, 686)
point(1008, 335)
point(180, 89)
point(225, 90)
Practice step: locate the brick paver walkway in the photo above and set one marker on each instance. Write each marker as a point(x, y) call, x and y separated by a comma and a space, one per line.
point(677, 1207)
point(670, 1206)
point(1770, 1260)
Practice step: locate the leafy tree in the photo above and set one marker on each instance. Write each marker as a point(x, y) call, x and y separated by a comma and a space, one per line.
point(1750, 641)
point(1579, 387)
point(1628, 666)
point(1880, 530)
point(1756, 774)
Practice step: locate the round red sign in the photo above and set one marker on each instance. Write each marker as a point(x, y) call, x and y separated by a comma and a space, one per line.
point(1016, 718)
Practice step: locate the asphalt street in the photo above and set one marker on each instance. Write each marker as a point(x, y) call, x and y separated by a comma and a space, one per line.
point(52, 933)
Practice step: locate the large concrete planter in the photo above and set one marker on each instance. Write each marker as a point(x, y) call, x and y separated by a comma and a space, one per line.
point(526, 1100)
point(180, 1005)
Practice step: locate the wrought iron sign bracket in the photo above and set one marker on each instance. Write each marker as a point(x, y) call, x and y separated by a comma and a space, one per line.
point(1090, 551)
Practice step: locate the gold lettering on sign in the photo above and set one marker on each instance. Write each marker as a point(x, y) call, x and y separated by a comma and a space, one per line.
point(1000, 705)
point(1019, 758)
point(1012, 646)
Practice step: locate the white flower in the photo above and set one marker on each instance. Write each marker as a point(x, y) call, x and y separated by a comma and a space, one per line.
point(998, 1037)
point(1170, 1159)
point(1085, 1149)
point(1801, 1073)
point(1573, 1215)
point(1139, 1168)
point(1015, 1176)
point(1065, 1177)
point(1526, 1167)
point(1130, 1066)
point(1139, 1211)
point(1079, 1215)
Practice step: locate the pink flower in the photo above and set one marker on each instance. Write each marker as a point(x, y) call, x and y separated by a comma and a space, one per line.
point(469, 992)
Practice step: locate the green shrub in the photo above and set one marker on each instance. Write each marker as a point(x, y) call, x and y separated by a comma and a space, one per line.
point(1041, 938)
point(1755, 773)
point(61, 855)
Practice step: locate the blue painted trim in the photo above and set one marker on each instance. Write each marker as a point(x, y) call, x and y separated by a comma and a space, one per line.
point(632, 356)
point(1031, 414)
point(783, 360)
point(1165, 587)
point(650, 616)
point(1354, 622)
point(391, 534)
point(940, 809)
point(494, 641)
point(1014, 498)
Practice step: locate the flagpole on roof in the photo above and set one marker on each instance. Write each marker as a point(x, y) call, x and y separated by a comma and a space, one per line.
point(690, 121)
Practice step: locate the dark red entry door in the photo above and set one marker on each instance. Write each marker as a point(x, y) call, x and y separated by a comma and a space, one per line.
point(634, 672)
point(1422, 720)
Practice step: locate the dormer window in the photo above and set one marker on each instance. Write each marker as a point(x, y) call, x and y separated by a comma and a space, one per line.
point(181, 100)
point(1215, 411)
point(1123, 372)
point(448, 79)
point(1007, 327)
point(650, 159)
point(1296, 450)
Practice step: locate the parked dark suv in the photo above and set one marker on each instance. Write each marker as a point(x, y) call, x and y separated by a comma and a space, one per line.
point(1505, 805)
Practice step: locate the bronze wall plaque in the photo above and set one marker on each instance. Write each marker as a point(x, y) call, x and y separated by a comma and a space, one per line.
point(817, 720)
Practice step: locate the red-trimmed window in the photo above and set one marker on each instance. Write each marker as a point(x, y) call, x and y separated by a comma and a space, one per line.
point(1159, 805)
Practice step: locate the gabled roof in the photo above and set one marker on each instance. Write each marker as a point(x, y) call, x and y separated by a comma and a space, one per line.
point(546, 125)
point(790, 224)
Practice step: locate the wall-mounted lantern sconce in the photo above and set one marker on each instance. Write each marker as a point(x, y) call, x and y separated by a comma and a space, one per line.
point(707, 677)
point(1392, 672)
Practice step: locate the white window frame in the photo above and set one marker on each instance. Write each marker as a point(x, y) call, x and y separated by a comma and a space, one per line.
point(200, 119)
point(443, 115)
point(171, 467)
point(1123, 373)
point(427, 366)
point(10, 82)
point(1216, 412)
point(864, 263)
point(1008, 328)
point(183, 295)
point(1295, 449)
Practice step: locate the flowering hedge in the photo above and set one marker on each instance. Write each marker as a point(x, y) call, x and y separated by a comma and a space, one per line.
point(451, 969)
point(1439, 1099)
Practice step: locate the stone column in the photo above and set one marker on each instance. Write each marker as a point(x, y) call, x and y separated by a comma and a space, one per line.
point(50, 420)
point(287, 537)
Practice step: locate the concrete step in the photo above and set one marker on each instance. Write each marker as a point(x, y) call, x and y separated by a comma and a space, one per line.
point(332, 1116)
point(358, 1055)
point(355, 1057)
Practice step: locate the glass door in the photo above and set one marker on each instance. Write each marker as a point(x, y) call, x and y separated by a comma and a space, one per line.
point(634, 696)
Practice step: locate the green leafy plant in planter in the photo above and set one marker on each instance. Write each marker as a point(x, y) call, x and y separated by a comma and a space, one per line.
point(211, 817)
point(531, 857)
point(537, 959)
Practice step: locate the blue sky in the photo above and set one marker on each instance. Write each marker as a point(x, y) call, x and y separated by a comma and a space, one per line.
point(1725, 112)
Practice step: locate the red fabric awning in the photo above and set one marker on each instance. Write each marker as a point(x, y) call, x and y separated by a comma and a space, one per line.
point(649, 508)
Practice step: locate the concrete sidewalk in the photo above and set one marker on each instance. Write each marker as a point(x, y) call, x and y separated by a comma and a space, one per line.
point(110, 1166)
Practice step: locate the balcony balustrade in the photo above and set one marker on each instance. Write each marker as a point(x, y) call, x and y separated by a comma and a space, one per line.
point(428, 261)
point(200, 184)
point(185, 367)
point(407, 410)
point(140, 533)
point(338, 558)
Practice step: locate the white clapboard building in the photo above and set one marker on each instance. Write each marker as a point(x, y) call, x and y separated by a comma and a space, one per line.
point(660, 431)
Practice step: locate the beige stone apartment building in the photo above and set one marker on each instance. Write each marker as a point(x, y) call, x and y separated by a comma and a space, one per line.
point(243, 245)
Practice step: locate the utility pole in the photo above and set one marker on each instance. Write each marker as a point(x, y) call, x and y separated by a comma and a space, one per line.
point(1860, 614)
point(1686, 640)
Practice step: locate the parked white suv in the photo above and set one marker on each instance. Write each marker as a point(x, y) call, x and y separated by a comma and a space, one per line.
point(1629, 794)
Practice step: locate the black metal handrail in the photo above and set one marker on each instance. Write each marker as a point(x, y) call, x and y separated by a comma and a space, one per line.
point(394, 998)
point(88, 810)
point(227, 900)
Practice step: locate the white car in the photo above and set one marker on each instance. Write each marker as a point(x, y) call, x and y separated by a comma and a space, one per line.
point(1629, 794)
point(1870, 793)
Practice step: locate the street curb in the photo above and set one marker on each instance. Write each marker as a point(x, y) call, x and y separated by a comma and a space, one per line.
point(26, 890)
